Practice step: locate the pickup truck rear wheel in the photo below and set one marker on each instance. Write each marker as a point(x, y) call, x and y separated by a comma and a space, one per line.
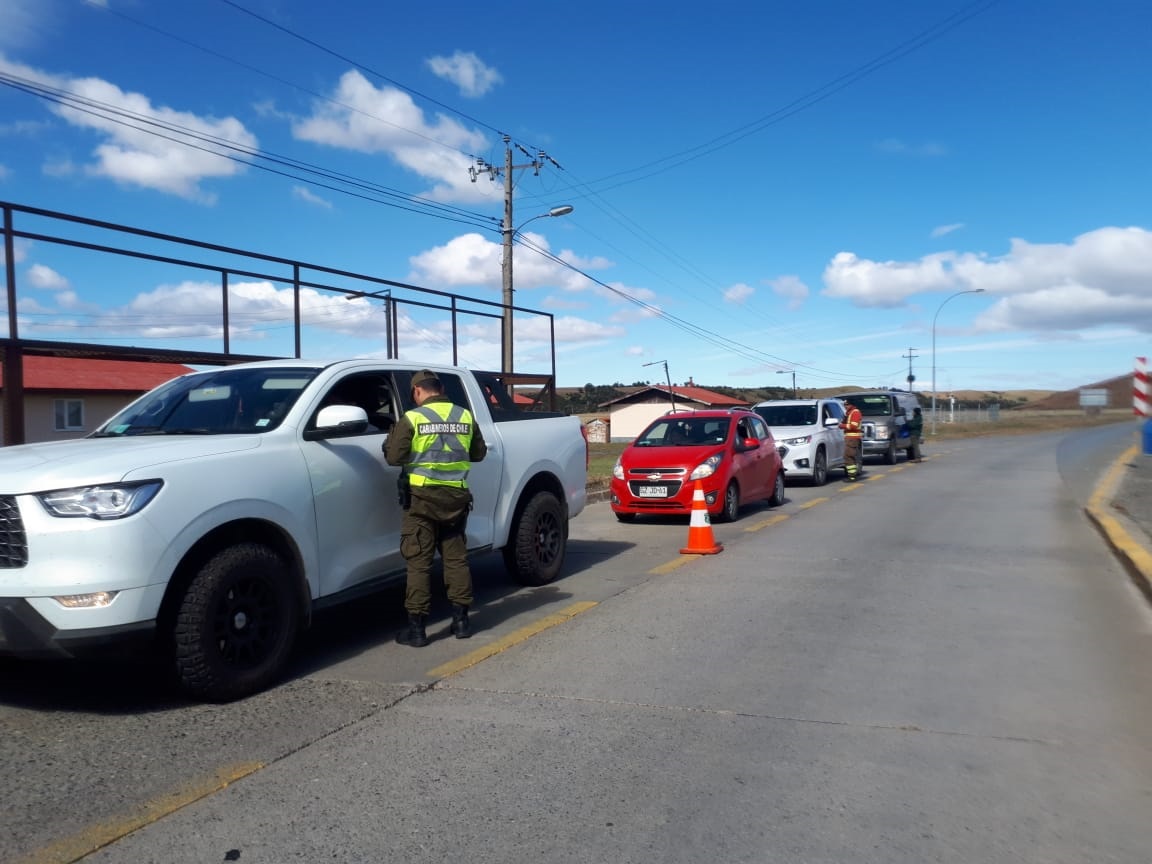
point(536, 545)
point(235, 624)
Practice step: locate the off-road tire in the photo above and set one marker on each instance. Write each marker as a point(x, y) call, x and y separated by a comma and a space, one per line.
point(538, 541)
point(235, 625)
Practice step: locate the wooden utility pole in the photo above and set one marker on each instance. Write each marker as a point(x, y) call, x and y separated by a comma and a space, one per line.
point(508, 232)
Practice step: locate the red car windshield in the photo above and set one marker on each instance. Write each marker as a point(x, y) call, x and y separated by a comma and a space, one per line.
point(685, 432)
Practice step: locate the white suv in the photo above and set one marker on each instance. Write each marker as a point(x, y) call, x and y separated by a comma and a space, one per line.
point(808, 435)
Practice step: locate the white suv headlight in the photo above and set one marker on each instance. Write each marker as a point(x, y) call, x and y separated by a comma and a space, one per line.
point(110, 501)
point(803, 439)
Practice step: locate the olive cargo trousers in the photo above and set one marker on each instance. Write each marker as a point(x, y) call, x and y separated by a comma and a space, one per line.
point(436, 520)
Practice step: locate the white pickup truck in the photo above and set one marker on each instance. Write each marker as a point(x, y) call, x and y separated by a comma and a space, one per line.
point(213, 515)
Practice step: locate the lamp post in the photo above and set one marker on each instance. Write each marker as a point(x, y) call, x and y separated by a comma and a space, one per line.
point(509, 232)
point(785, 372)
point(668, 378)
point(934, 317)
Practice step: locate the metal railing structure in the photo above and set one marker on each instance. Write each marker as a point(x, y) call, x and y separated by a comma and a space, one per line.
point(171, 254)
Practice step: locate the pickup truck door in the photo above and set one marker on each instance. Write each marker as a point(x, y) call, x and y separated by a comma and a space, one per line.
point(354, 493)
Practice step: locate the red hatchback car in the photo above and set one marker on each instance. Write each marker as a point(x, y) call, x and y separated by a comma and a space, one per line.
point(731, 452)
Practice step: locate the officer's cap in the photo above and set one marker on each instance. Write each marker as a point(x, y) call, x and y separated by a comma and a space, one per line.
point(425, 376)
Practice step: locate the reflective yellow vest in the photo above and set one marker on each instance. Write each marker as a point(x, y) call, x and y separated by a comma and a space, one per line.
point(441, 439)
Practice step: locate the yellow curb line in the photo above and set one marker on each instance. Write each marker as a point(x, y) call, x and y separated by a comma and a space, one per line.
point(514, 638)
point(81, 845)
point(768, 523)
point(1135, 558)
point(813, 503)
point(675, 564)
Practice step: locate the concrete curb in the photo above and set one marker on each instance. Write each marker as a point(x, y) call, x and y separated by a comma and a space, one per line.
point(1119, 531)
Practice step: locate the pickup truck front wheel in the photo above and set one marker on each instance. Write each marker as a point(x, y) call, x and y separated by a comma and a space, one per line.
point(235, 624)
point(536, 544)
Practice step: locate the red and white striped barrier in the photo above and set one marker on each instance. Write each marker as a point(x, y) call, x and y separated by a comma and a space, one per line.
point(1140, 388)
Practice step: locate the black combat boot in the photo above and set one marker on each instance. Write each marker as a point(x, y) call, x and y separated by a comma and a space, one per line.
point(414, 634)
point(461, 629)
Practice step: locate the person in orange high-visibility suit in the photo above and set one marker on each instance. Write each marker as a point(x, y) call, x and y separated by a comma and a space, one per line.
point(853, 433)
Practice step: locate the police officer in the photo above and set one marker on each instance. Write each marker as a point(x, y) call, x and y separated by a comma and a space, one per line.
point(435, 443)
point(852, 424)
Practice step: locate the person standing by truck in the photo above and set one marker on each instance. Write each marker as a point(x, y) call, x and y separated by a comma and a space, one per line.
point(853, 433)
point(435, 443)
point(916, 431)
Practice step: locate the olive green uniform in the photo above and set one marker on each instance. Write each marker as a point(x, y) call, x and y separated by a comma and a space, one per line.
point(916, 431)
point(435, 520)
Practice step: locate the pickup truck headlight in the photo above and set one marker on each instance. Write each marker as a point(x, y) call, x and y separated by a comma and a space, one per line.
point(111, 501)
point(706, 468)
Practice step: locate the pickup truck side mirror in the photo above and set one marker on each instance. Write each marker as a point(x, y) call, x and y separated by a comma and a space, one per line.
point(338, 421)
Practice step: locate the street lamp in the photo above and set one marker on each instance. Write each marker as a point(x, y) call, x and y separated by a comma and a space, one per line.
point(668, 378)
point(934, 317)
point(785, 372)
point(509, 232)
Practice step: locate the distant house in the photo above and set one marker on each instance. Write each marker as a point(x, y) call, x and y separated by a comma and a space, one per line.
point(630, 414)
point(68, 397)
point(597, 429)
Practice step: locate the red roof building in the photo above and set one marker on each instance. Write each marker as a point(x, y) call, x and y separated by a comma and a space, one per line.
point(68, 397)
point(631, 413)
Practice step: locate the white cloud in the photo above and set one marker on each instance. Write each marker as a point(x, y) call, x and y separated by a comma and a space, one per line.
point(372, 119)
point(19, 20)
point(471, 260)
point(4, 172)
point(738, 293)
point(791, 288)
point(902, 148)
point(46, 278)
point(1103, 277)
point(58, 168)
point(885, 283)
point(137, 157)
point(466, 71)
point(943, 230)
point(310, 197)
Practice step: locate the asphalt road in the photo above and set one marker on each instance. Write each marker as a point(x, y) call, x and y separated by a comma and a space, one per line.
point(942, 663)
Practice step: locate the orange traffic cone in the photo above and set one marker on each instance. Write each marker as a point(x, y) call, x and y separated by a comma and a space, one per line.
point(700, 539)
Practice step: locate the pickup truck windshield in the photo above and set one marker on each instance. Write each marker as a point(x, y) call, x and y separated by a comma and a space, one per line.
point(227, 401)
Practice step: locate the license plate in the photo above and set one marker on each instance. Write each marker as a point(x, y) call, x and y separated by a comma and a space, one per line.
point(652, 491)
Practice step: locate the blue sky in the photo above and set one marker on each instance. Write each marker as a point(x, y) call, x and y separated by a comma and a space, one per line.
point(757, 186)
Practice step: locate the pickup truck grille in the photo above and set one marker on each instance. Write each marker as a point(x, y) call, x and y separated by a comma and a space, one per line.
point(13, 542)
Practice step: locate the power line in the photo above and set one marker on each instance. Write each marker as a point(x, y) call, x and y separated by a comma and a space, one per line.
point(228, 59)
point(359, 65)
point(233, 151)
